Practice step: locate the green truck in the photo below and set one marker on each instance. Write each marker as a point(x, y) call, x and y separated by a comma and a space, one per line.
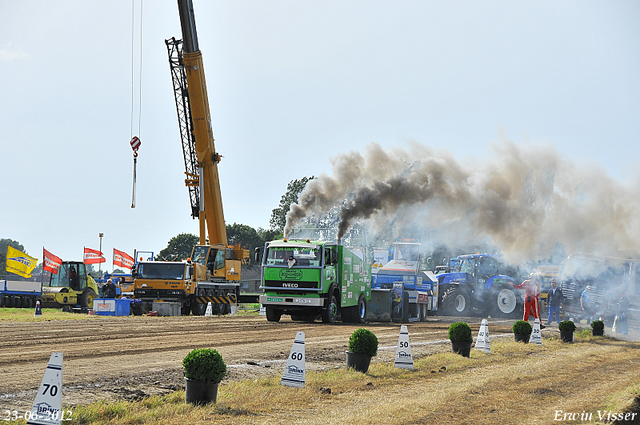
point(314, 279)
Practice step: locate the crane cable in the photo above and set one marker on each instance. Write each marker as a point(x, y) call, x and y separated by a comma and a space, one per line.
point(135, 140)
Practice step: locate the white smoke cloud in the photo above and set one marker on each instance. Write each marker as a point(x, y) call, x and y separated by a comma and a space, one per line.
point(525, 200)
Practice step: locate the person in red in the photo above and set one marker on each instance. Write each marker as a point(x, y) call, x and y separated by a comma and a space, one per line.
point(531, 287)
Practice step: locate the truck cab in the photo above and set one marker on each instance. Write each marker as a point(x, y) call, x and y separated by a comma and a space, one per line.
point(163, 281)
point(313, 279)
point(217, 262)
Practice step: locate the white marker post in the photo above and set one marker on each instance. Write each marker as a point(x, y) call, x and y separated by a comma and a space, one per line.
point(404, 358)
point(482, 342)
point(47, 407)
point(209, 310)
point(294, 375)
point(536, 336)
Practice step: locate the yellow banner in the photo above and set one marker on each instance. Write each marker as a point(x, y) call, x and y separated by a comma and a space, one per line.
point(20, 263)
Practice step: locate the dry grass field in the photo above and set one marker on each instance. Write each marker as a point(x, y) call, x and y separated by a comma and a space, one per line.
point(127, 371)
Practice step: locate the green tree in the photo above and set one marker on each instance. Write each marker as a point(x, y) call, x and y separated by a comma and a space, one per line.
point(4, 243)
point(179, 248)
point(248, 237)
point(279, 215)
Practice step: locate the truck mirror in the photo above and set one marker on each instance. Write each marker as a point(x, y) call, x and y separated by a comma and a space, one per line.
point(258, 254)
point(334, 257)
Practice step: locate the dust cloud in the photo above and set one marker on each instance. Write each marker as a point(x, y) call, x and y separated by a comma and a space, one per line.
point(525, 200)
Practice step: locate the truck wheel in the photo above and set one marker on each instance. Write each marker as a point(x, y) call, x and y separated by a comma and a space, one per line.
point(331, 312)
point(456, 302)
point(505, 302)
point(198, 309)
point(87, 298)
point(423, 312)
point(185, 310)
point(362, 310)
point(273, 315)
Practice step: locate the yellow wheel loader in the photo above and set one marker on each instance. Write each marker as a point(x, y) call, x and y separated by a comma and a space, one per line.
point(71, 287)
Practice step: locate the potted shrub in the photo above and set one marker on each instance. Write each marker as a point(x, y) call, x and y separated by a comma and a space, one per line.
point(461, 339)
point(522, 331)
point(363, 344)
point(204, 368)
point(567, 327)
point(597, 328)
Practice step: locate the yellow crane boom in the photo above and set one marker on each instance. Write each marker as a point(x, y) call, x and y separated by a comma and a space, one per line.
point(211, 212)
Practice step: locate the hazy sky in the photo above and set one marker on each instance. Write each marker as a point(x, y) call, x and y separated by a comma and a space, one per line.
point(291, 85)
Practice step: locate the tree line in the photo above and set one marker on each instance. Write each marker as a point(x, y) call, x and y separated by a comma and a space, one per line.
point(179, 247)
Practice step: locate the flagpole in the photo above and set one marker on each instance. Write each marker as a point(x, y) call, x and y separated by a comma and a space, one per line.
point(100, 264)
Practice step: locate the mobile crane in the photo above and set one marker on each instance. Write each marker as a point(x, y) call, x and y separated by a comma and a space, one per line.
point(214, 272)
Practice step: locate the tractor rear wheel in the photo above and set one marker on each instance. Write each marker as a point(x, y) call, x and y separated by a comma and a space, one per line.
point(505, 302)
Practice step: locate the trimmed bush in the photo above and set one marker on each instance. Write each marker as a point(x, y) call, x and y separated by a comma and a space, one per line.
point(597, 325)
point(522, 328)
point(460, 332)
point(567, 326)
point(204, 364)
point(363, 341)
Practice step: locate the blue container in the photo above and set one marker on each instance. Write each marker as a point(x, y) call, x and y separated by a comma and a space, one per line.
point(123, 307)
point(118, 307)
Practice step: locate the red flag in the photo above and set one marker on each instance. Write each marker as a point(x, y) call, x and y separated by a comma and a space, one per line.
point(51, 263)
point(92, 256)
point(123, 259)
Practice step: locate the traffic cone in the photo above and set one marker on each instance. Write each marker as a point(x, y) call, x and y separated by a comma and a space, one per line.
point(38, 309)
point(482, 342)
point(294, 373)
point(536, 337)
point(47, 406)
point(209, 310)
point(404, 358)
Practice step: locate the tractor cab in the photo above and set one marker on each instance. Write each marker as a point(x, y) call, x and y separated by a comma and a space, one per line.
point(71, 275)
point(71, 287)
point(479, 267)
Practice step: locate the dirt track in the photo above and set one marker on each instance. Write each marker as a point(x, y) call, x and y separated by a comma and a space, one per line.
point(130, 357)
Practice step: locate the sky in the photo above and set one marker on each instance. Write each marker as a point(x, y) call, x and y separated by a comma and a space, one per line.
point(291, 85)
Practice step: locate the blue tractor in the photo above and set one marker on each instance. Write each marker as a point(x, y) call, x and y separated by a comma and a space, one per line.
point(479, 288)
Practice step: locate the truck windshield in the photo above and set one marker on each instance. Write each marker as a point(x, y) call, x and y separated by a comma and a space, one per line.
point(406, 251)
point(161, 271)
point(279, 256)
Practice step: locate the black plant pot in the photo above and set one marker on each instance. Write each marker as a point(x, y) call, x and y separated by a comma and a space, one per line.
point(597, 332)
point(566, 336)
point(522, 338)
point(462, 348)
point(359, 362)
point(201, 392)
